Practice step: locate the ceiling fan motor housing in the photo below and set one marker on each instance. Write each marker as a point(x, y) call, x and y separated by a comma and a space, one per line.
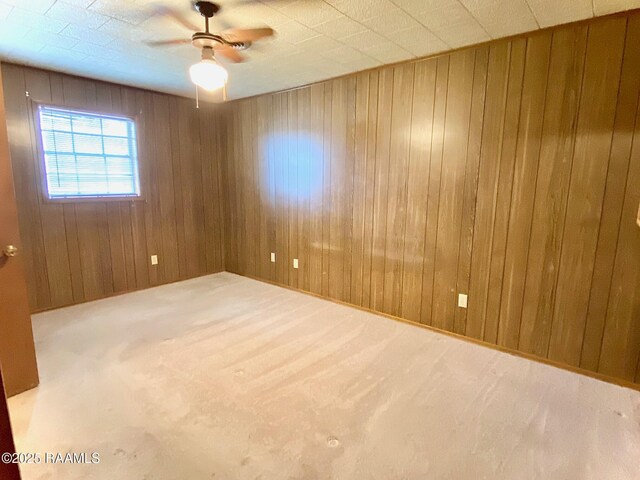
point(226, 44)
point(207, 9)
point(204, 39)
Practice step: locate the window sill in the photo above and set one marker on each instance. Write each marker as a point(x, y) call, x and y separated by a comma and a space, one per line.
point(121, 199)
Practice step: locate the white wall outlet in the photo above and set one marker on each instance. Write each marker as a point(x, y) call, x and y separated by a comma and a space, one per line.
point(462, 300)
point(273, 257)
point(154, 259)
point(295, 263)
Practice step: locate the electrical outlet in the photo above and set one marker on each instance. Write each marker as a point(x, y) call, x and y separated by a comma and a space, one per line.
point(462, 300)
point(154, 259)
point(295, 263)
point(273, 257)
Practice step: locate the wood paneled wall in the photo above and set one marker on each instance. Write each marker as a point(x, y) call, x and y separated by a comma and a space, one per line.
point(508, 171)
point(81, 251)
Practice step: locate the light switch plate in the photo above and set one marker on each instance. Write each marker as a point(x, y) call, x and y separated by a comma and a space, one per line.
point(273, 257)
point(462, 300)
point(295, 263)
point(154, 259)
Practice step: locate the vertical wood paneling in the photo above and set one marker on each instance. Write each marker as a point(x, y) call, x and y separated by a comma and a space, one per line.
point(369, 206)
point(490, 155)
point(454, 155)
point(586, 188)
point(81, 251)
point(554, 168)
point(359, 187)
point(188, 143)
point(305, 173)
point(340, 193)
point(177, 186)
point(326, 186)
point(316, 134)
point(166, 199)
point(614, 197)
point(383, 137)
point(263, 186)
point(292, 183)
point(231, 221)
point(507, 172)
point(214, 193)
point(282, 159)
point(620, 355)
point(399, 144)
point(433, 196)
point(149, 176)
point(239, 195)
point(503, 188)
point(417, 187)
point(471, 183)
point(523, 189)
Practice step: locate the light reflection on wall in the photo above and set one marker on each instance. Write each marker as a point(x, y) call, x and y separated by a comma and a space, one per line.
point(294, 160)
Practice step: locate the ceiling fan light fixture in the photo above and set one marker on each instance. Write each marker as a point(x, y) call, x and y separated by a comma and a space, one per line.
point(208, 74)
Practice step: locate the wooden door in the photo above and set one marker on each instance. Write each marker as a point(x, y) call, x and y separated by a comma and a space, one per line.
point(17, 352)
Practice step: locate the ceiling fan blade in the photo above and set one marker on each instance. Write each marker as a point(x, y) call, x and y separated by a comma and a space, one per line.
point(222, 22)
point(176, 15)
point(163, 43)
point(229, 53)
point(247, 34)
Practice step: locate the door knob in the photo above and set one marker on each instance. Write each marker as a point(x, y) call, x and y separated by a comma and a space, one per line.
point(10, 250)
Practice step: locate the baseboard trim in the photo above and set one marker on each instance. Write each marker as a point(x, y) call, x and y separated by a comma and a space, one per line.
point(117, 294)
point(580, 371)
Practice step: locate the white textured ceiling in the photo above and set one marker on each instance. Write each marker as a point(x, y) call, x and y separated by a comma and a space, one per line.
point(316, 39)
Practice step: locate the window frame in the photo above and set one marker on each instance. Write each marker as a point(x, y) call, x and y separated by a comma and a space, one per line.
point(42, 169)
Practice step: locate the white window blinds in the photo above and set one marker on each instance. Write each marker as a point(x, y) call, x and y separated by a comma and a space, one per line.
point(88, 155)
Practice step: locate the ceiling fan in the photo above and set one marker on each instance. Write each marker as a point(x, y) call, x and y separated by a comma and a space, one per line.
point(209, 74)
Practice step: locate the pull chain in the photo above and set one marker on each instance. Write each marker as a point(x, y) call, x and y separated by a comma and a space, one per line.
point(197, 99)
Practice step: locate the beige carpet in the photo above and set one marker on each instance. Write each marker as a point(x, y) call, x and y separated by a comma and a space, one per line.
point(228, 378)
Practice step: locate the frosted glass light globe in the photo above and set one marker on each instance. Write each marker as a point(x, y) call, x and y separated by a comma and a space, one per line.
point(208, 75)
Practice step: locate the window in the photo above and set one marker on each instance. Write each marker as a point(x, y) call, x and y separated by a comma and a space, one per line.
point(88, 155)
